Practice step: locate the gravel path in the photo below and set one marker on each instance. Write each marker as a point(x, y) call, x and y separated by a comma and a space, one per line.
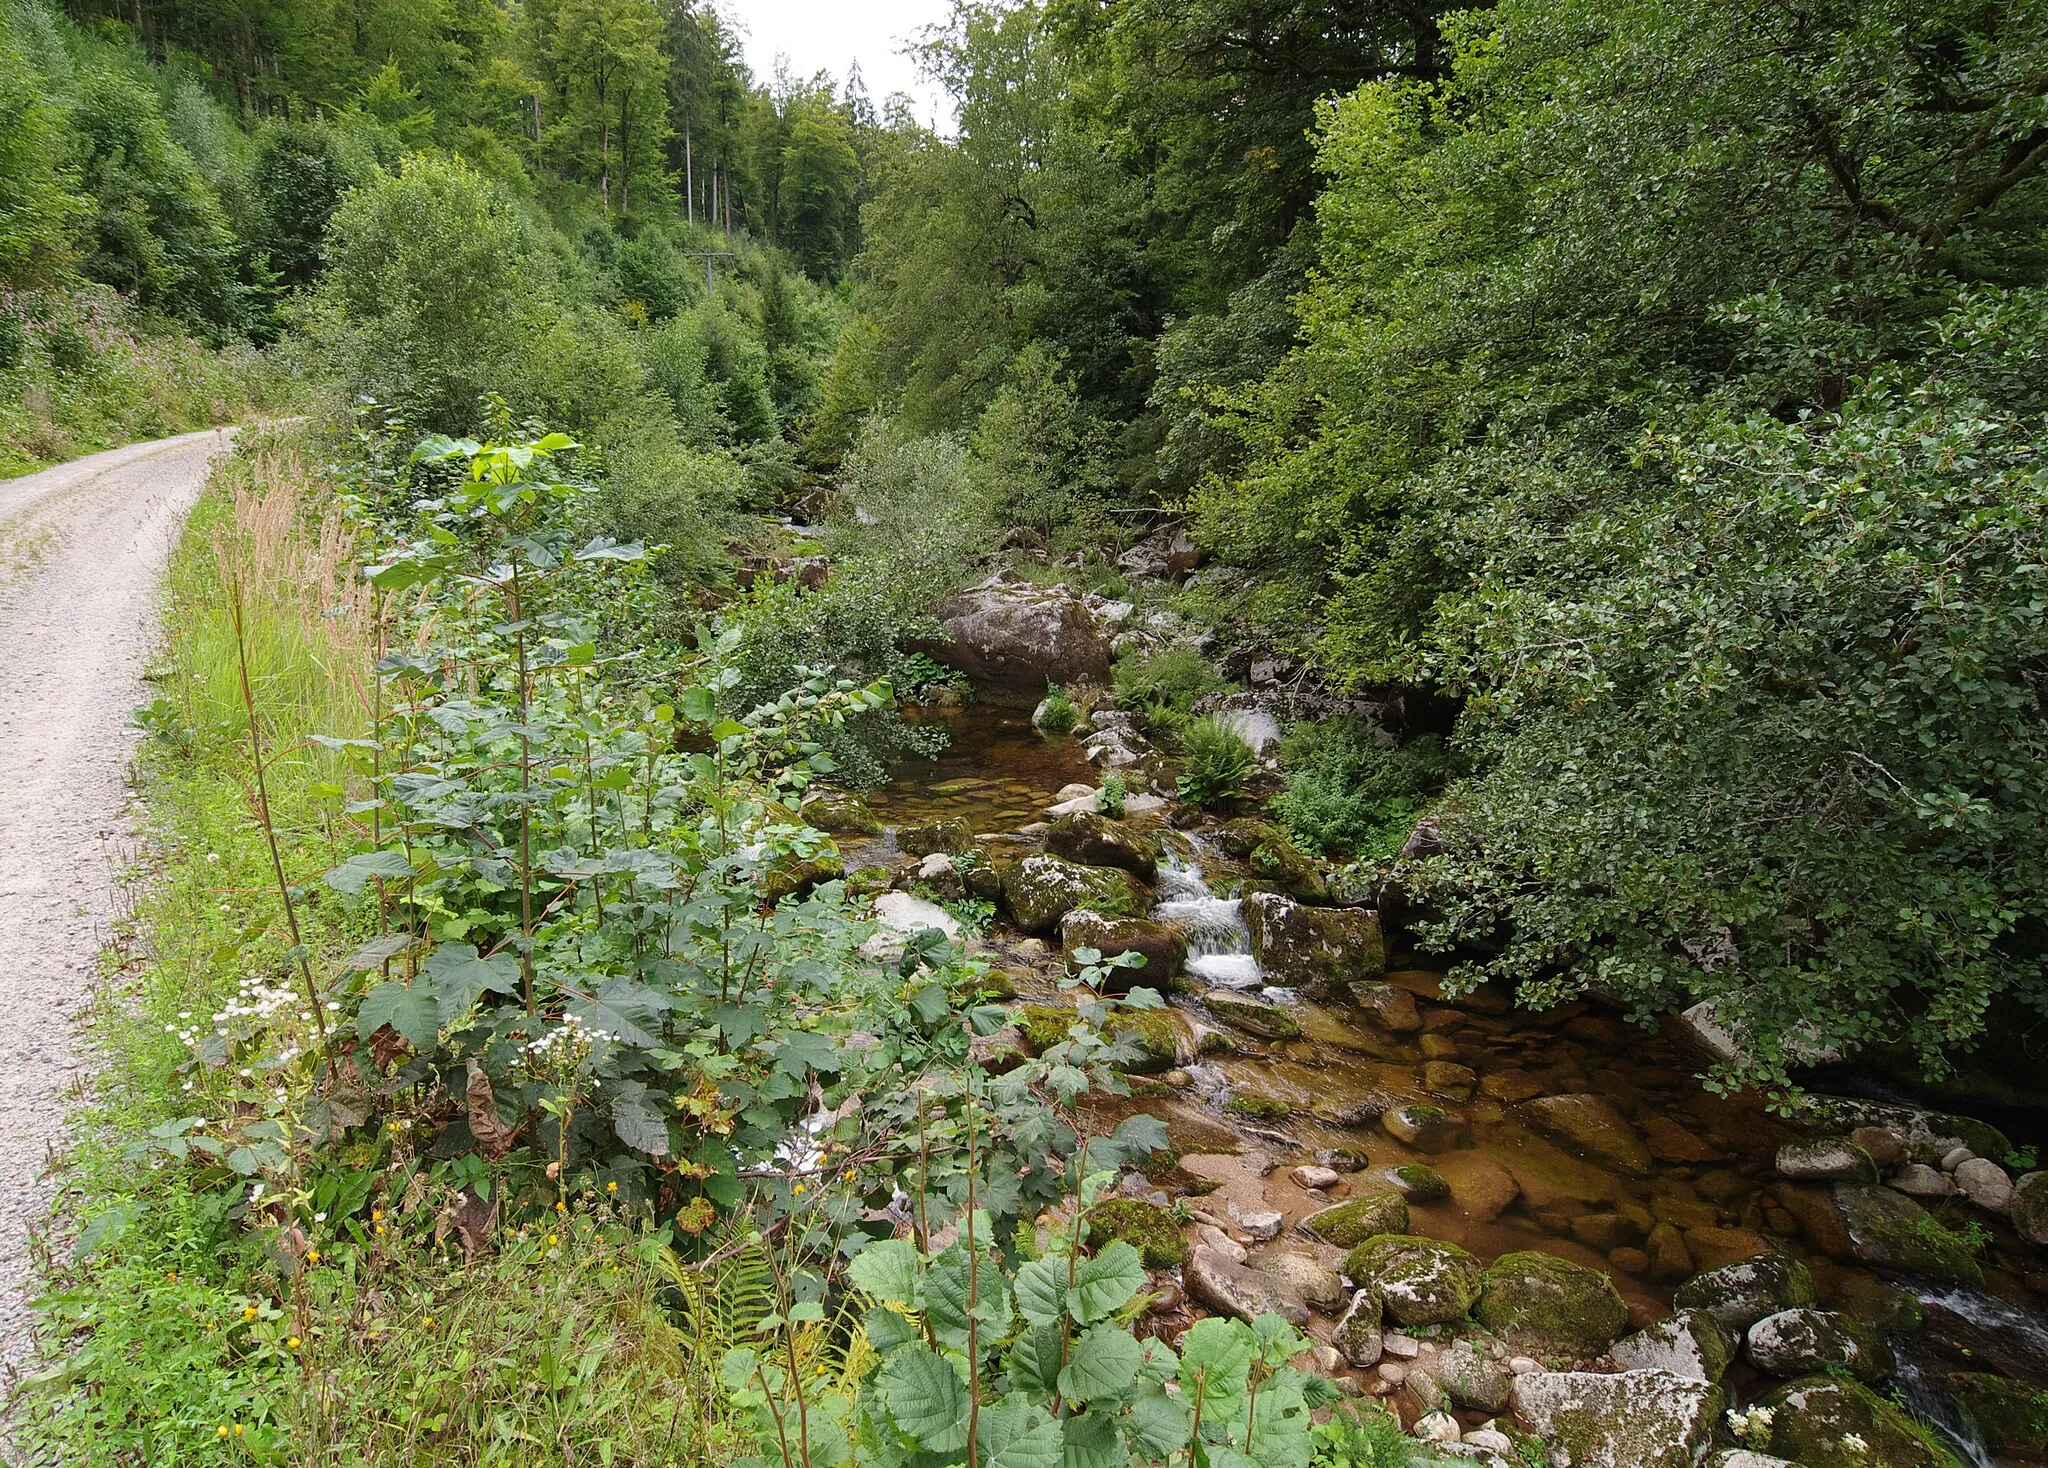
point(81, 547)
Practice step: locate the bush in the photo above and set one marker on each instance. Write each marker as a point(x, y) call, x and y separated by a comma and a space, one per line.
point(1216, 761)
point(1164, 687)
point(1348, 795)
point(657, 490)
point(1058, 715)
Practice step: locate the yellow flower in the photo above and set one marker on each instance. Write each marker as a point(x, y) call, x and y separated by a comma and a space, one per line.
point(312, 1256)
point(379, 1228)
point(222, 1429)
point(554, 1239)
point(171, 1275)
point(849, 1174)
point(249, 1312)
point(561, 1207)
point(238, 1429)
point(291, 1343)
point(376, 1215)
point(428, 1321)
point(611, 1187)
point(799, 1188)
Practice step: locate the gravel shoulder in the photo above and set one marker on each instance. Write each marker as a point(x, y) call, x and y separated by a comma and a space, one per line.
point(82, 547)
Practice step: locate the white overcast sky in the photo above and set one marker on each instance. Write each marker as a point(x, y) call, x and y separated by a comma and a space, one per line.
point(822, 35)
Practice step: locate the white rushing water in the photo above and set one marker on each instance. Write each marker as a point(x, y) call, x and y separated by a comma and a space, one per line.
point(1219, 947)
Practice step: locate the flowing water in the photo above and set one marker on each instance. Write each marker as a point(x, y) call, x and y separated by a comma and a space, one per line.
point(1219, 947)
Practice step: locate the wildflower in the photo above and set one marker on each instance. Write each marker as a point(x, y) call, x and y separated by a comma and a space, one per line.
point(798, 1190)
point(428, 1320)
point(554, 1239)
point(379, 1229)
point(222, 1429)
point(561, 1207)
point(312, 1256)
point(171, 1275)
point(849, 1174)
point(291, 1343)
point(376, 1215)
point(611, 1187)
point(238, 1429)
point(249, 1312)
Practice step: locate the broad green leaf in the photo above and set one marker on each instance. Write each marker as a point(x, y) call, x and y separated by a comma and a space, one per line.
point(634, 1117)
point(887, 1269)
point(377, 952)
point(1042, 1290)
point(1102, 1366)
point(351, 876)
point(1017, 1432)
point(414, 1013)
point(459, 975)
point(1090, 1440)
point(630, 1013)
point(1158, 1425)
point(925, 1398)
point(1034, 1359)
point(888, 1329)
point(1105, 1283)
point(1215, 1359)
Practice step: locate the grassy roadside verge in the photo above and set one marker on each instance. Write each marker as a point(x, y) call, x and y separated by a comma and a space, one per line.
point(177, 1334)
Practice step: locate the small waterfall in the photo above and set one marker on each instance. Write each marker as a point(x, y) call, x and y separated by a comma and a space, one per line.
point(1931, 1406)
point(1219, 948)
point(1995, 1332)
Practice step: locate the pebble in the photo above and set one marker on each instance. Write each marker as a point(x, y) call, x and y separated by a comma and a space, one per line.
point(1918, 1180)
point(1314, 1178)
point(1262, 1225)
point(1439, 1427)
point(1329, 1360)
point(1221, 1242)
point(1954, 1159)
point(1524, 1365)
point(1393, 1373)
point(1404, 1346)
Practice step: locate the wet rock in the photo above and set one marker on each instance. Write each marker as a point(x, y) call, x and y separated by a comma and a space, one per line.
point(1012, 638)
point(1711, 1248)
point(1402, 1346)
point(1298, 1278)
point(1473, 1378)
point(1550, 1305)
point(1955, 1157)
point(2006, 1415)
point(1438, 1047)
point(1737, 1296)
point(1826, 1159)
point(1358, 1333)
point(1259, 1225)
point(1886, 1148)
point(1342, 1159)
point(1215, 1238)
point(1248, 1012)
point(1258, 1105)
point(1670, 1142)
point(1629, 1261)
point(841, 814)
point(1985, 1183)
point(1097, 841)
point(1510, 1085)
point(1426, 1128)
point(1148, 1228)
point(954, 837)
point(1686, 1344)
point(1316, 949)
point(1421, 1281)
point(1803, 1341)
point(1928, 1134)
point(1232, 1289)
point(2029, 1207)
point(1481, 1187)
point(1888, 1228)
point(1631, 1419)
point(1273, 858)
point(1918, 1180)
point(1157, 1034)
point(1744, 1458)
point(941, 877)
point(1591, 1126)
point(1723, 1185)
point(1869, 1299)
point(1162, 946)
point(1351, 1223)
point(1312, 1178)
point(1819, 1421)
point(1389, 1006)
point(1606, 1231)
point(1416, 1181)
point(1040, 890)
point(1437, 1427)
point(1453, 1082)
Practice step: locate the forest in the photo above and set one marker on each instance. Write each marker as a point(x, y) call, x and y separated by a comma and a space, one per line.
point(1320, 745)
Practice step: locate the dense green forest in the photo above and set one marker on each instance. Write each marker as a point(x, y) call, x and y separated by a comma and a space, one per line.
point(1608, 432)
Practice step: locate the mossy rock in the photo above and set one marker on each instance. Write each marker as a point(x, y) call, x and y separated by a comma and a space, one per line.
point(869, 881)
point(1352, 1222)
point(1814, 1418)
point(1249, 1012)
point(1147, 1227)
point(1156, 1032)
point(1274, 858)
point(1097, 841)
point(794, 877)
point(2005, 1413)
point(1040, 890)
point(1258, 1107)
point(1739, 1295)
point(1419, 1182)
point(841, 814)
point(954, 837)
point(1888, 1228)
point(1550, 1305)
point(1422, 1281)
point(1316, 949)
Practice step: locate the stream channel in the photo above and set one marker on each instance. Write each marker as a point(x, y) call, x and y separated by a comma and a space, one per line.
point(1700, 1189)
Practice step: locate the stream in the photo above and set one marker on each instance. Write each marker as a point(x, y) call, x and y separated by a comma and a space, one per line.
point(1703, 1195)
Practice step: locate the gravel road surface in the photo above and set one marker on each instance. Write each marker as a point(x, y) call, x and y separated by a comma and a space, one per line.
point(81, 549)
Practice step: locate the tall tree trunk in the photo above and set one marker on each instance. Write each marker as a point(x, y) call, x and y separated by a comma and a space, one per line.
point(689, 177)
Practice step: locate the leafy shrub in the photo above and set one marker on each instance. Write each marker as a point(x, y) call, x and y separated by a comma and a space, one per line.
point(1058, 715)
point(1115, 791)
point(1164, 686)
point(1366, 1436)
point(1215, 762)
point(656, 490)
point(651, 273)
point(1347, 794)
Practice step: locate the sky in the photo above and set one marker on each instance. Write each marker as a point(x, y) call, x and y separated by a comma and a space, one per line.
point(823, 35)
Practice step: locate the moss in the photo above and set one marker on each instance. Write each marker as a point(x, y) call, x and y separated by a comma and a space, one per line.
point(1260, 1108)
point(792, 878)
point(953, 837)
point(2005, 1413)
point(1147, 1227)
point(1423, 1281)
point(1353, 1222)
point(842, 815)
point(1545, 1303)
point(1155, 1031)
point(1273, 858)
point(1811, 1418)
point(1421, 1182)
point(1040, 890)
point(869, 881)
point(1044, 1025)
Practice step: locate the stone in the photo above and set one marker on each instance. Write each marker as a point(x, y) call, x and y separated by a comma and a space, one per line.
point(1312, 1178)
point(1713, 1247)
point(1605, 1231)
point(1630, 1419)
point(1442, 1078)
point(1744, 1458)
point(1437, 1427)
point(1097, 841)
point(1393, 1373)
point(1826, 1160)
point(2006, 1415)
point(1472, 1378)
point(1402, 1346)
point(900, 913)
point(1416, 1181)
point(1012, 638)
point(1629, 1261)
point(941, 877)
point(1550, 1305)
point(1351, 1223)
point(1168, 553)
point(1888, 1228)
point(1985, 1184)
point(1670, 1259)
point(1929, 1134)
point(1249, 1012)
point(1510, 1085)
point(954, 837)
point(1040, 890)
point(1297, 1277)
point(1492, 1440)
point(1818, 1422)
point(794, 876)
point(1591, 1126)
point(1918, 1180)
point(840, 814)
point(1212, 1237)
point(1318, 950)
point(1233, 1289)
point(1803, 1341)
point(1389, 1006)
point(1158, 1034)
point(1439, 1047)
point(1723, 1185)
point(1273, 858)
point(1870, 1300)
point(1481, 1187)
point(1358, 1333)
point(1886, 1148)
point(1670, 1142)
point(1737, 1296)
point(1425, 1127)
point(1523, 1365)
point(1261, 1224)
point(1342, 1159)
point(1421, 1281)
point(1686, 1344)
point(1955, 1157)
point(1148, 1228)
point(1163, 947)
point(2029, 1207)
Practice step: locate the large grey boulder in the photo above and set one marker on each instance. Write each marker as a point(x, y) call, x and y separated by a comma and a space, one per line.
point(1888, 1228)
point(1317, 949)
point(1824, 1422)
point(1687, 1344)
point(1422, 1281)
point(1804, 1341)
point(2029, 1207)
point(1630, 1419)
point(1737, 1296)
point(1826, 1159)
point(1040, 890)
point(1539, 1302)
point(1097, 841)
point(1162, 945)
point(1011, 638)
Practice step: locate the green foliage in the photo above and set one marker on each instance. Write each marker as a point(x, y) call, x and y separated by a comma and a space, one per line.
point(40, 208)
point(1057, 715)
point(1165, 686)
point(1215, 762)
point(1349, 794)
point(300, 174)
point(1362, 1437)
point(1115, 791)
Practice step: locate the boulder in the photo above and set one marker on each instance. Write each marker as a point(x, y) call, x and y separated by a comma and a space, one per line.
point(1918, 1180)
point(1425, 1127)
point(1273, 858)
point(1744, 1458)
point(1590, 1126)
point(2005, 1414)
point(1351, 1223)
point(1417, 1181)
point(1631, 1419)
point(1233, 1289)
point(898, 913)
point(1826, 1160)
point(1147, 1227)
point(1040, 890)
point(1452, 1081)
point(2029, 1207)
point(1299, 1278)
point(841, 814)
point(1985, 1184)
point(1473, 1378)
point(1163, 947)
point(793, 875)
point(940, 875)
point(1358, 1333)
point(1686, 1344)
point(1888, 1228)
point(1012, 638)
point(1481, 1187)
point(1737, 1296)
point(1389, 1006)
point(1927, 1134)
point(1316, 949)
point(1823, 1422)
point(1158, 1035)
point(1803, 1341)
point(1420, 1281)
point(1549, 1305)
point(1711, 1248)
point(1097, 841)
point(953, 836)
point(1167, 553)
point(1248, 1012)
point(1670, 1142)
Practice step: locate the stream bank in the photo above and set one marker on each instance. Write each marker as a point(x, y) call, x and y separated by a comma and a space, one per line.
point(1499, 1222)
